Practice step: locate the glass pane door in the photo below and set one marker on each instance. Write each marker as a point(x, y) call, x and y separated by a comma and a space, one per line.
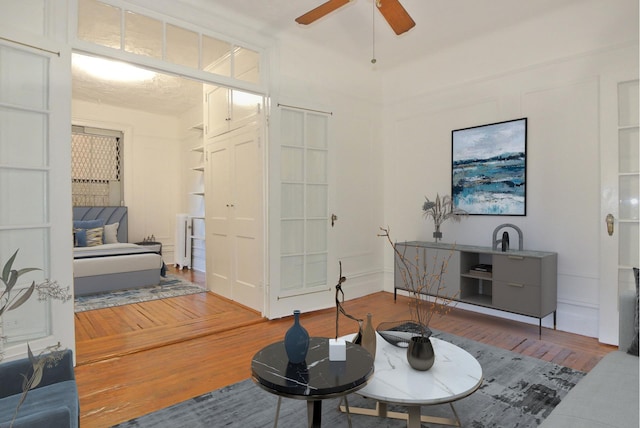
point(24, 186)
point(628, 183)
point(304, 199)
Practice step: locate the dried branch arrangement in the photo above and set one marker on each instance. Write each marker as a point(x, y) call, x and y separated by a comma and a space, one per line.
point(424, 284)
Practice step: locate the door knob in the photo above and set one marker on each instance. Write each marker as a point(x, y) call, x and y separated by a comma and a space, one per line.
point(609, 220)
point(334, 218)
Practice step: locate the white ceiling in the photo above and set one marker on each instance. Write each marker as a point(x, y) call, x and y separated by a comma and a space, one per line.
point(165, 94)
point(349, 30)
point(439, 23)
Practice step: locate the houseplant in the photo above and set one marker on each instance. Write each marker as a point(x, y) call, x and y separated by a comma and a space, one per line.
point(12, 296)
point(425, 284)
point(441, 210)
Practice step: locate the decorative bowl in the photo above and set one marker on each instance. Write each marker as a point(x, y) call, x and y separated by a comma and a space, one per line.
point(399, 333)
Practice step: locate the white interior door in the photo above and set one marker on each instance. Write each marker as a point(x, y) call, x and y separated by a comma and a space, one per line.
point(305, 217)
point(234, 216)
point(217, 212)
point(35, 189)
point(620, 198)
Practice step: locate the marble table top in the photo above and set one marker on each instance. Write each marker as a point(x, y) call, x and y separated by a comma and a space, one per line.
point(317, 377)
point(454, 375)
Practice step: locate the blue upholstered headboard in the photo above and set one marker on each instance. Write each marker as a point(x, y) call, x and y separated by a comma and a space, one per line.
point(109, 214)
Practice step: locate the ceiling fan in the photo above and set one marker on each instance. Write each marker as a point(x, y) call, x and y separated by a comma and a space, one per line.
point(391, 10)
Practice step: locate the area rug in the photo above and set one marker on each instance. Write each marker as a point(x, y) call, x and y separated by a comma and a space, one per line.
point(517, 391)
point(170, 286)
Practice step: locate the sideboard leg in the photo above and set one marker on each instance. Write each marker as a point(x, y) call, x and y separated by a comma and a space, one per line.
point(540, 328)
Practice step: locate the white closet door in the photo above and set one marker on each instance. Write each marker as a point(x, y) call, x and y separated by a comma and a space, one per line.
point(216, 110)
point(234, 213)
point(217, 213)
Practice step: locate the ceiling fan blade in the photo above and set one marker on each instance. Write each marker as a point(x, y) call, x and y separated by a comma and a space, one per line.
point(320, 11)
point(396, 15)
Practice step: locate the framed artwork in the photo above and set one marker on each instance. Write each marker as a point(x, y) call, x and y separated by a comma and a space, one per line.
point(489, 168)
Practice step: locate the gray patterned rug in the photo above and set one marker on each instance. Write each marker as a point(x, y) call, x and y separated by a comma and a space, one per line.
point(517, 391)
point(170, 286)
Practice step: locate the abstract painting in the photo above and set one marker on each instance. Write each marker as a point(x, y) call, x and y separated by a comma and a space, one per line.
point(489, 165)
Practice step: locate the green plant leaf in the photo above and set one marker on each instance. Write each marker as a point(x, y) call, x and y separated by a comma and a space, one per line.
point(38, 372)
point(32, 358)
point(7, 266)
point(13, 278)
point(24, 297)
point(25, 270)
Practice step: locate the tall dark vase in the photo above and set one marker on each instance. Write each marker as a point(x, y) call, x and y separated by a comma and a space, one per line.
point(296, 341)
point(420, 353)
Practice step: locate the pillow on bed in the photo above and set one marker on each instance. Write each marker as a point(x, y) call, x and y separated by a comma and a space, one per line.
point(88, 224)
point(80, 237)
point(94, 236)
point(111, 233)
point(88, 237)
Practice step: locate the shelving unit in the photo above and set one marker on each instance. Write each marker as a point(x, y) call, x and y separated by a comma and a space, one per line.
point(196, 219)
point(197, 233)
point(520, 282)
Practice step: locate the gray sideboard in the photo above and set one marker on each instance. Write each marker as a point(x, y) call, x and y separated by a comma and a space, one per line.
point(516, 281)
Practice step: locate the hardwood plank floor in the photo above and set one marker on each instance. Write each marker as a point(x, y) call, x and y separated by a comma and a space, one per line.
point(135, 359)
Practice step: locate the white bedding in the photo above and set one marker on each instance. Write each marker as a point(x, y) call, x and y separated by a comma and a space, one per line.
point(109, 249)
point(114, 258)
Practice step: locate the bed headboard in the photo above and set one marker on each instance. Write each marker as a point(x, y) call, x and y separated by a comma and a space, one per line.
point(110, 215)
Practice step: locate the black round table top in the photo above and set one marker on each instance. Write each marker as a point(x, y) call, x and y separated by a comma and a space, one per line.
point(316, 377)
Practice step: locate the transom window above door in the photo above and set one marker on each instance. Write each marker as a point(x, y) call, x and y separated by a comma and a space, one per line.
point(108, 23)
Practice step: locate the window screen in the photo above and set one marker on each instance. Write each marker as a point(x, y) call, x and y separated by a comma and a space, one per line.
point(96, 167)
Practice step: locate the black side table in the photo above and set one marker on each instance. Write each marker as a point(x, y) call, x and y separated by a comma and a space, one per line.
point(158, 248)
point(158, 245)
point(315, 379)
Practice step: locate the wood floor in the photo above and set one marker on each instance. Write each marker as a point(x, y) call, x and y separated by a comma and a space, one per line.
point(138, 358)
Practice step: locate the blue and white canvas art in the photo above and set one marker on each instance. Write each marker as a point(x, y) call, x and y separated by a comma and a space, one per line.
point(489, 168)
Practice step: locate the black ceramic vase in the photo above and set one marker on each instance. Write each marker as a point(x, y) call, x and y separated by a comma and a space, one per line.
point(296, 341)
point(420, 353)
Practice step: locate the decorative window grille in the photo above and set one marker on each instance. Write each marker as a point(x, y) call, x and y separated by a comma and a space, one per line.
point(96, 167)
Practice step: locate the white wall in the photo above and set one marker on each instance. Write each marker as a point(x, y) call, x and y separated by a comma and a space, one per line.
point(548, 71)
point(152, 167)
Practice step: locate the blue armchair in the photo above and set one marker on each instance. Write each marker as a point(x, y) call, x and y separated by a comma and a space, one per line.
point(53, 403)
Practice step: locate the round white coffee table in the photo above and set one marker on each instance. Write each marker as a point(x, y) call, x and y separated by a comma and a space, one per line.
point(455, 374)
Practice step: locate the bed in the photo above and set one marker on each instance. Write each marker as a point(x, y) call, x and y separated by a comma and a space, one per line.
point(103, 259)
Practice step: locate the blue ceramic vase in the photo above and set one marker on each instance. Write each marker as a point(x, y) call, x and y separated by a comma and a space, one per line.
point(296, 341)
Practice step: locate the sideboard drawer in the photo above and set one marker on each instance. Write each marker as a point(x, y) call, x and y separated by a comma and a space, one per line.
point(519, 269)
point(516, 297)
